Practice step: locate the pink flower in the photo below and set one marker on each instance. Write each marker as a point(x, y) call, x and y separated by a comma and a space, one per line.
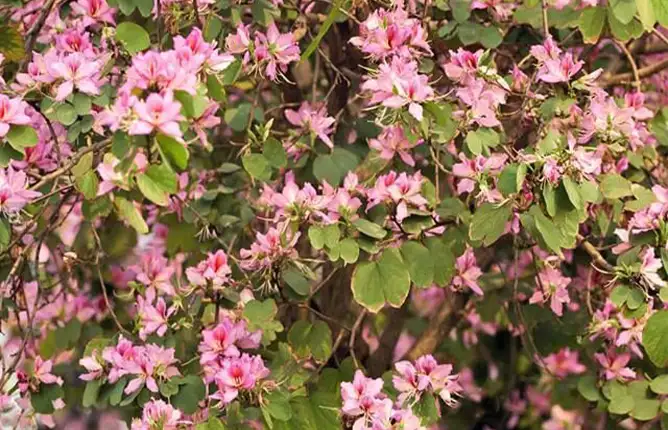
point(13, 193)
point(561, 70)
point(276, 49)
point(354, 393)
point(552, 171)
point(649, 269)
point(426, 374)
point(552, 286)
point(160, 113)
point(94, 11)
point(149, 365)
point(269, 248)
point(392, 141)
point(312, 120)
point(42, 372)
point(224, 340)
point(399, 84)
point(402, 190)
point(239, 42)
point(483, 100)
point(476, 172)
point(564, 363)
point(158, 415)
point(153, 270)
point(12, 112)
point(94, 368)
point(239, 374)
point(562, 419)
point(76, 72)
point(153, 318)
point(392, 33)
point(213, 270)
point(468, 272)
point(463, 65)
point(614, 365)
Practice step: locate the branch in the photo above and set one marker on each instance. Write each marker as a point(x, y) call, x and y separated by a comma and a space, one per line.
point(546, 25)
point(33, 33)
point(595, 255)
point(642, 73)
point(439, 327)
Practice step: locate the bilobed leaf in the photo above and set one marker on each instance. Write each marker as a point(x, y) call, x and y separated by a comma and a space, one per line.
point(444, 260)
point(91, 392)
point(661, 11)
point(645, 409)
point(128, 212)
point(369, 228)
point(646, 14)
point(274, 152)
point(588, 389)
point(257, 166)
point(189, 395)
point(11, 42)
point(349, 250)
point(133, 37)
point(376, 283)
point(621, 31)
point(615, 186)
point(623, 10)
point(237, 117)
point(87, 184)
point(21, 136)
point(489, 222)
point(262, 315)
point(591, 23)
point(659, 385)
point(655, 338)
point(173, 152)
point(311, 339)
point(420, 263)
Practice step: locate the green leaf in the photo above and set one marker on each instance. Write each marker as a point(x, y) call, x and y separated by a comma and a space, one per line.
point(461, 10)
point(444, 260)
point(588, 389)
point(11, 42)
point(619, 295)
point(311, 339)
point(479, 141)
point(128, 212)
point(82, 104)
point(193, 106)
point(349, 250)
point(635, 299)
point(237, 117)
point(512, 178)
point(387, 280)
point(369, 228)
point(661, 11)
point(420, 263)
point(133, 37)
point(623, 10)
point(42, 400)
point(426, 409)
point(5, 233)
point(261, 315)
point(257, 166)
point(655, 338)
point(659, 385)
point(21, 136)
point(87, 184)
point(274, 152)
point(646, 14)
point(173, 152)
point(645, 409)
point(145, 7)
point(66, 114)
point(296, 281)
point(156, 183)
point(621, 404)
point(316, 236)
point(490, 37)
point(547, 229)
point(278, 405)
point(614, 186)
point(116, 393)
point(333, 14)
point(591, 23)
point(621, 31)
point(573, 191)
point(212, 423)
point(91, 392)
point(332, 234)
point(189, 395)
point(489, 222)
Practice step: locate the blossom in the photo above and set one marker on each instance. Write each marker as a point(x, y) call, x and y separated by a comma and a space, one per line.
point(650, 266)
point(76, 72)
point(158, 415)
point(483, 100)
point(239, 374)
point(225, 340)
point(93, 367)
point(12, 112)
point(13, 193)
point(158, 112)
point(154, 271)
point(402, 189)
point(463, 65)
point(393, 141)
point(213, 270)
point(268, 248)
point(552, 286)
point(412, 380)
point(563, 363)
point(614, 365)
point(391, 33)
point(476, 171)
point(313, 120)
point(468, 272)
point(94, 11)
point(153, 318)
point(149, 365)
point(399, 84)
point(42, 372)
point(353, 394)
point(276, 49)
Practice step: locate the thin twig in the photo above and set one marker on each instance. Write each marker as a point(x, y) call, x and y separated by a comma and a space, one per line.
point(546, 25)
point(634, 66)
point(33, 33)
point(353, 336)
point(642, 73)
point(595, 255)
